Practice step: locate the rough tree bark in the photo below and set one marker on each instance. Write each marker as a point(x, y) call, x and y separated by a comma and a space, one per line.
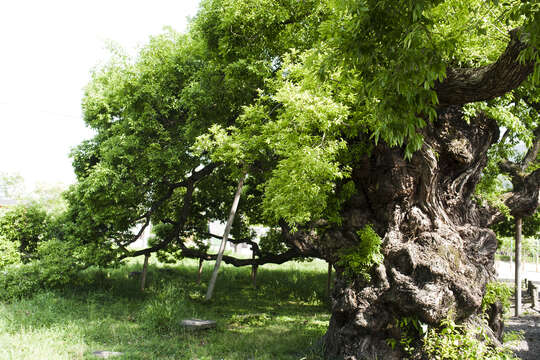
point(438, 251)
point(437, 246)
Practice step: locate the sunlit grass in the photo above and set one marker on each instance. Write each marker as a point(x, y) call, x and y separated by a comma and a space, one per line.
point(283, 318)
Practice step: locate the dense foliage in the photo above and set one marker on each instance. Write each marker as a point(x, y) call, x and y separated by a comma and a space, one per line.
point(359, 260)
point(9, 252)
point(497, 292)
point(291, 92)
point(26, 226)
point(285, 93)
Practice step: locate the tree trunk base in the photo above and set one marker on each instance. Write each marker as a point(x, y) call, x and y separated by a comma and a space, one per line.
point(438, 251)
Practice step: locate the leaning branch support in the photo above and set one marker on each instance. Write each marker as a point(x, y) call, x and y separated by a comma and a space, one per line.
point(225, 236)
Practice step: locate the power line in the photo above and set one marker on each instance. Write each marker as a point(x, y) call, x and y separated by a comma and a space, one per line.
point(43, 111)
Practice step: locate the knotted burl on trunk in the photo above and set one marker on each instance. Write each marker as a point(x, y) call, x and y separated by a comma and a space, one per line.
point(438, 252)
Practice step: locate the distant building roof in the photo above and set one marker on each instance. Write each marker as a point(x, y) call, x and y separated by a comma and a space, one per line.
point(4, 202)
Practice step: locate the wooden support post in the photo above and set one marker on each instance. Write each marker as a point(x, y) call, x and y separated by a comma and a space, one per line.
point(329, 282)
point(200, 271)
point(517, 289)
point(534, 291)
point(234, 206)
point(511, 253)
point(254, 270)
point(144, 271)
point(536, 253)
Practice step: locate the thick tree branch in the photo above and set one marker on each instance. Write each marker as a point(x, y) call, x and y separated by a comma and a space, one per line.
point(522, 202)
point(514, 170)
point(465, 85)
point(303, 240)
point(517, 171)
point(291, 254)
point(190, 184)
point(525, 200)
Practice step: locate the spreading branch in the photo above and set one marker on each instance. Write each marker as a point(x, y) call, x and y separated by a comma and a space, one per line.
point(524, 198)
point(190, 184)
point(289, 255)
point(466, 85)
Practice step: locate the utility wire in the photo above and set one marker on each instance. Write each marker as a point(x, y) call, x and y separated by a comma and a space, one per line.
point(41, 110)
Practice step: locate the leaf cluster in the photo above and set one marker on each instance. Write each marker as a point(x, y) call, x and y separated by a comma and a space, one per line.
point(497, 292)
point(358, 260)
point(452, 341)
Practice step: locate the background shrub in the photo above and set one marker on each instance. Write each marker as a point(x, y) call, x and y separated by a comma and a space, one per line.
point(57, 263)
point(19, 281)
point(9, 253)
point(25, 225)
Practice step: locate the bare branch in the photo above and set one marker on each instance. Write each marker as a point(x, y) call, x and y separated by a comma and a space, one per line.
point(141, 231)
point(504, 137)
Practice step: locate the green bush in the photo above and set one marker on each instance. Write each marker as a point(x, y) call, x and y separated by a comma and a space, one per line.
point(54, 268)
point(497, 291)
point(25, 225)
point(19, 281)
point(9, 253)
point(455, 342)
point(56, 262)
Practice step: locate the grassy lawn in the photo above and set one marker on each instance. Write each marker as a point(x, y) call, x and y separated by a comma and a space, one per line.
point(283, 318)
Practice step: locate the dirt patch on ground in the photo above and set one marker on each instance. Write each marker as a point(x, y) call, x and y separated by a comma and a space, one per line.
point(528, 323)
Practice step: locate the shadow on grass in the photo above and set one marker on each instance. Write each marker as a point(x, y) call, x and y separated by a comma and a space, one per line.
point(283, 318)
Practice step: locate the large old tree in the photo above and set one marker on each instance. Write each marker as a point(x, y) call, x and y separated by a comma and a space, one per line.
point(374, 135)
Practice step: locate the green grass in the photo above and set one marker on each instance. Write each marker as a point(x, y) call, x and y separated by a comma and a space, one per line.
point(283, 318)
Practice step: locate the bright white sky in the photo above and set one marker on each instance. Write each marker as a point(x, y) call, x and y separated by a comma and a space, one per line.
point(47, 50)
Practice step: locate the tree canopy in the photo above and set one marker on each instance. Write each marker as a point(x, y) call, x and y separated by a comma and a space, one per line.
point(294, 93)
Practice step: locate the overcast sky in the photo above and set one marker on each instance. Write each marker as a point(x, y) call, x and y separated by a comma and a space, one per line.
point(47, 50)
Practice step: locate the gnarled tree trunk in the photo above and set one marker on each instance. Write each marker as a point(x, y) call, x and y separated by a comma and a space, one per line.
point(438, 251)
point(437, 246)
